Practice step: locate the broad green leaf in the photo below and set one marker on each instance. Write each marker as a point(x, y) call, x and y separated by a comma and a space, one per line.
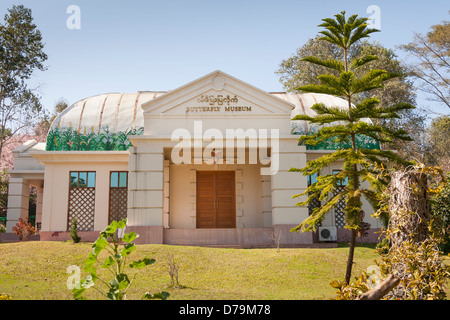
point(89, 262)
point(124, 283)
point(129, 237)
point(77, 291)
point(128, 248)
point(93, 274)
point(142, 263)
point(122, 223)
point(161, 295)
point(99, 245)
point(108, 262)
point(111, 228)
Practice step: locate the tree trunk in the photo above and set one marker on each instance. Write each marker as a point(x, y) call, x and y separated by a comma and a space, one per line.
point(408, 206)
point(351, 253)
point(409, 213)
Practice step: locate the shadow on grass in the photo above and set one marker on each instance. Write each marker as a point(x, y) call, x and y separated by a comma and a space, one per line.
point(358, 244)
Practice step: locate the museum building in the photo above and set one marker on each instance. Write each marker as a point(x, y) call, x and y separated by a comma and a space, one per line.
point(205, 164)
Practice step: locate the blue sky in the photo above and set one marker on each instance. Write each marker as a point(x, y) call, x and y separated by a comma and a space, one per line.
point(126, 46)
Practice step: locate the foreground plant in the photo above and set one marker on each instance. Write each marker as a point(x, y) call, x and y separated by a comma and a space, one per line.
point(116, 263)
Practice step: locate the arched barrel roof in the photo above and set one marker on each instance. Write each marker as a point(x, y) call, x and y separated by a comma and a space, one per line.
point(103, 122)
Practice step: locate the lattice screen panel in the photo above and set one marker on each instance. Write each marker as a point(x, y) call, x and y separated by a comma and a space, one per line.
point(315, 203)
point(82, 206)
point(339, 212)
point(118, 198)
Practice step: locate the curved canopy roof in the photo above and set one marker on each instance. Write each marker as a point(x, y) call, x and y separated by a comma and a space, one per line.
point(122, 111)
point(117, 111)
point(103, 122)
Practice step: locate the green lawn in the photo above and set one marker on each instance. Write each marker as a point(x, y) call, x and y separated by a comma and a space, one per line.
point(38, 270)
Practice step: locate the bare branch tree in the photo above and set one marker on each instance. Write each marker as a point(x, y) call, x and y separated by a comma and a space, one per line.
point(431, 64)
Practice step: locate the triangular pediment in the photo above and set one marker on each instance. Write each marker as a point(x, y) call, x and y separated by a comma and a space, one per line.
point(216, 94)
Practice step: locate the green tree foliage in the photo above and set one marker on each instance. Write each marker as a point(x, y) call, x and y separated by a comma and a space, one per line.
point(295, 72)
point(343, 125)
point(438, 142)
point(440, 207)
point(21, 53)
point(42, 128)
point(3, 195)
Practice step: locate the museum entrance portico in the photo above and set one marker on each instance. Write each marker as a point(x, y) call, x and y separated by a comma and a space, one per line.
point(212, 167)
point(190, 193)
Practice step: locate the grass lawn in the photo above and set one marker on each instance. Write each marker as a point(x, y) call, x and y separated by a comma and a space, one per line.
point(38, 270)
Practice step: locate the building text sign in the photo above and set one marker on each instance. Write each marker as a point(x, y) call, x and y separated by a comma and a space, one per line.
point(218, 103)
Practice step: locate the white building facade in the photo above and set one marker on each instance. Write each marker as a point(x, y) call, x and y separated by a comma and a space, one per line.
point(204, 164)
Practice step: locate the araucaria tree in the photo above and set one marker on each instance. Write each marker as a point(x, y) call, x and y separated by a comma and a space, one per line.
point(360, 165)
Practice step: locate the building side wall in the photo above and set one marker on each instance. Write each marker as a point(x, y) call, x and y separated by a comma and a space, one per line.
point(56, 193)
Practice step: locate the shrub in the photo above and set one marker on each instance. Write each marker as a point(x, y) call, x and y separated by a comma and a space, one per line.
point(74, 232)
point(412, 264)
point(440, 207)
point(352, 291)
point(421, 269)
point(5, 297)
point(172, 268)
point(23, 229)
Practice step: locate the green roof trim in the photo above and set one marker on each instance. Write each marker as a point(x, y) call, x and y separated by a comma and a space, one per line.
point(362, 141)
point(68, 139)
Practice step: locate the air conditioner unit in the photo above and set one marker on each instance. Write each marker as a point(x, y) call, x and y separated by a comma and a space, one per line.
point(327, 234)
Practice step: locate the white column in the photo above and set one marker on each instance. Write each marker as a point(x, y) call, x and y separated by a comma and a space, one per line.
point(101, 206)
point(39, 201)
point(18, 195)
point(239, 185)
point(146, 186)
point(267, 200)
point(285, 184)
point(166, 192)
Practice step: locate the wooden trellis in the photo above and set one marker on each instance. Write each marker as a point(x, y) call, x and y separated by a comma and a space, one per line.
point(315, 203)
point(82, 207)
point(118, 198)
point(339, 210)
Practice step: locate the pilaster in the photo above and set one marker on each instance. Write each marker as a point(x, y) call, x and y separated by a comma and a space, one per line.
point(146, 185)
point(18, 195)
point(285, 184)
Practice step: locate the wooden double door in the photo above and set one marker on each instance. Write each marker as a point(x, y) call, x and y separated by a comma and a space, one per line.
point(216, 199)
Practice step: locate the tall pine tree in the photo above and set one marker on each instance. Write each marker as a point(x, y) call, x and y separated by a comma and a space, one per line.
point(345, 125)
